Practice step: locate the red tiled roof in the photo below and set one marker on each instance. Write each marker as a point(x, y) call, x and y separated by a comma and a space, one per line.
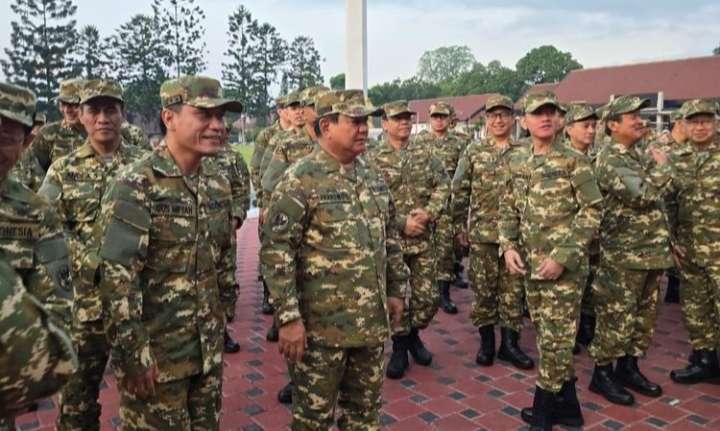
point(679, 80)
point(465, 106)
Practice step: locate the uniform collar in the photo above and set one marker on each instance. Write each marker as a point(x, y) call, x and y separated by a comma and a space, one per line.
point(330, 164)
point(86, 150)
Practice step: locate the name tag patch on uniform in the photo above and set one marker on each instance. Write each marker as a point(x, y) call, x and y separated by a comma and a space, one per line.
point(172, 209)
point(554, 174)
point(333, 197)
point(18, 231)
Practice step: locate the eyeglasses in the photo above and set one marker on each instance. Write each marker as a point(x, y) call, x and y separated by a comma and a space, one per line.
point(498, 115)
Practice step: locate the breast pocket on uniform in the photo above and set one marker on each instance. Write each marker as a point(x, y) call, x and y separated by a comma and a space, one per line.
point(172, 235)
point(82, 203)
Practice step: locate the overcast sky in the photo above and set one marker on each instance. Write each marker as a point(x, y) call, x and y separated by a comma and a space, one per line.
point(597, 34)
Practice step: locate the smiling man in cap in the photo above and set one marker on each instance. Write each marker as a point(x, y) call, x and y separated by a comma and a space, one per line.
point(635, 250)
point(333, 263)
point(60, 138)
point(168, 265)
point(74, 185)
point(697, 242)
point(548, 213)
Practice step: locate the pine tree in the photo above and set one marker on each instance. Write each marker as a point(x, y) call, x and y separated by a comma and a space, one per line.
point(303, 64)
point(91, 51)
point(138, 53)
point(269, 54)
point(41, 42)
point(182, 31)
point(238, 72)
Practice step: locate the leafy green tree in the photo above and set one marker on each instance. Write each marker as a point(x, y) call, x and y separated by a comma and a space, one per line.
point(138, 53)
point(41, 41)
point(91, 60)
point(182, 31)
point(409, 89)
point(545, 64)
point(268, 54)
point(716, 51)
point(303, 64)
point(337, 82)
point(445, 63)
point(238, 72)
point(493, 78)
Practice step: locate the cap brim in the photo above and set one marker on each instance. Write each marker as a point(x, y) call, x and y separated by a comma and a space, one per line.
point(499, 105)
point(587, 117)
point(22, 119)
point(699, 112)
point(73, 101)
point(402, 112)
point(228, 104)
point(106, 96)
point(535, 108)
point(447, 113)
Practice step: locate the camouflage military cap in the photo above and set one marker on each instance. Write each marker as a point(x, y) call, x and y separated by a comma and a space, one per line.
point(69, 91)
point(40, 118)
point(280, 102)
point(698, 106)
point(331, 102)
point(308, 94)
point(535, 101)
point(398, 107)
point(563, 108)
point(676, 115)
point(95, 88)
point(440, 108)
point(197, 91)
point(293, 98)
point(625, 104)
point(498, 101)
point(357, 96)
point(579, 111)
point(17, 103)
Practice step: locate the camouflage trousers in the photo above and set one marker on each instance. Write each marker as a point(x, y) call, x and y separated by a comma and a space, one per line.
point(700, 300)
point(424, 297)
point(446, 254)
point(625, 309)
point(79, 406)
point(498, 294)
point(554, 309)
point(351, 378)
point(587, 307)
point(192, 403)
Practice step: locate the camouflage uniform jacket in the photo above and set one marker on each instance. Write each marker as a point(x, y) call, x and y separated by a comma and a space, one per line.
point(261, 143)
point(75, 185)
point(696, 184)
point(331, 252)
point(416, 179)
point(168, 267)
point(476, 190)
point(288, 150)
point(634, 231)
point(55, 140)
point(550, 206)
point(448, 148)
point(265, 158)
point(591, 153)
point(37, 356)
point(232, 164)
point(32, 242)
point(134, 135)
point(28, 172)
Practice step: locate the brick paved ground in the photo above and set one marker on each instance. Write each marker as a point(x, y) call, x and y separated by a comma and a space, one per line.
point(453, 394)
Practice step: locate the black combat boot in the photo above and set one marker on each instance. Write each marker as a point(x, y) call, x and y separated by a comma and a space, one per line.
point(672, 293)
point(603, 383)
point(486, 353)
point(445, 302)
point(272, 334)
point(566, 410)
point(703, 367)
point(540, 415)
point(629, 375)
point(511, 352)
point(459, 282)
point(586, 330)
point(230, 345)
point(284, 396)
point(267, 308)
point(399, 358)
point(417, 349)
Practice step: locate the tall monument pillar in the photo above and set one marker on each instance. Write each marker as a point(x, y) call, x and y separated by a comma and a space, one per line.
point(356, 45)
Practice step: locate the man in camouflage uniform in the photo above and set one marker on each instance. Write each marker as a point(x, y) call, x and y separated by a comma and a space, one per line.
point(60, 138)
point(476, 186)
point(447, 147)
point(420, 188)
point(232, 164)
point(74, 185)
point(548, 212)
point(333, 263)
point(27, 170)
point(581, 122)
point(696, 238)
point(168, 263)
point(33, 246)
point(635, 250)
